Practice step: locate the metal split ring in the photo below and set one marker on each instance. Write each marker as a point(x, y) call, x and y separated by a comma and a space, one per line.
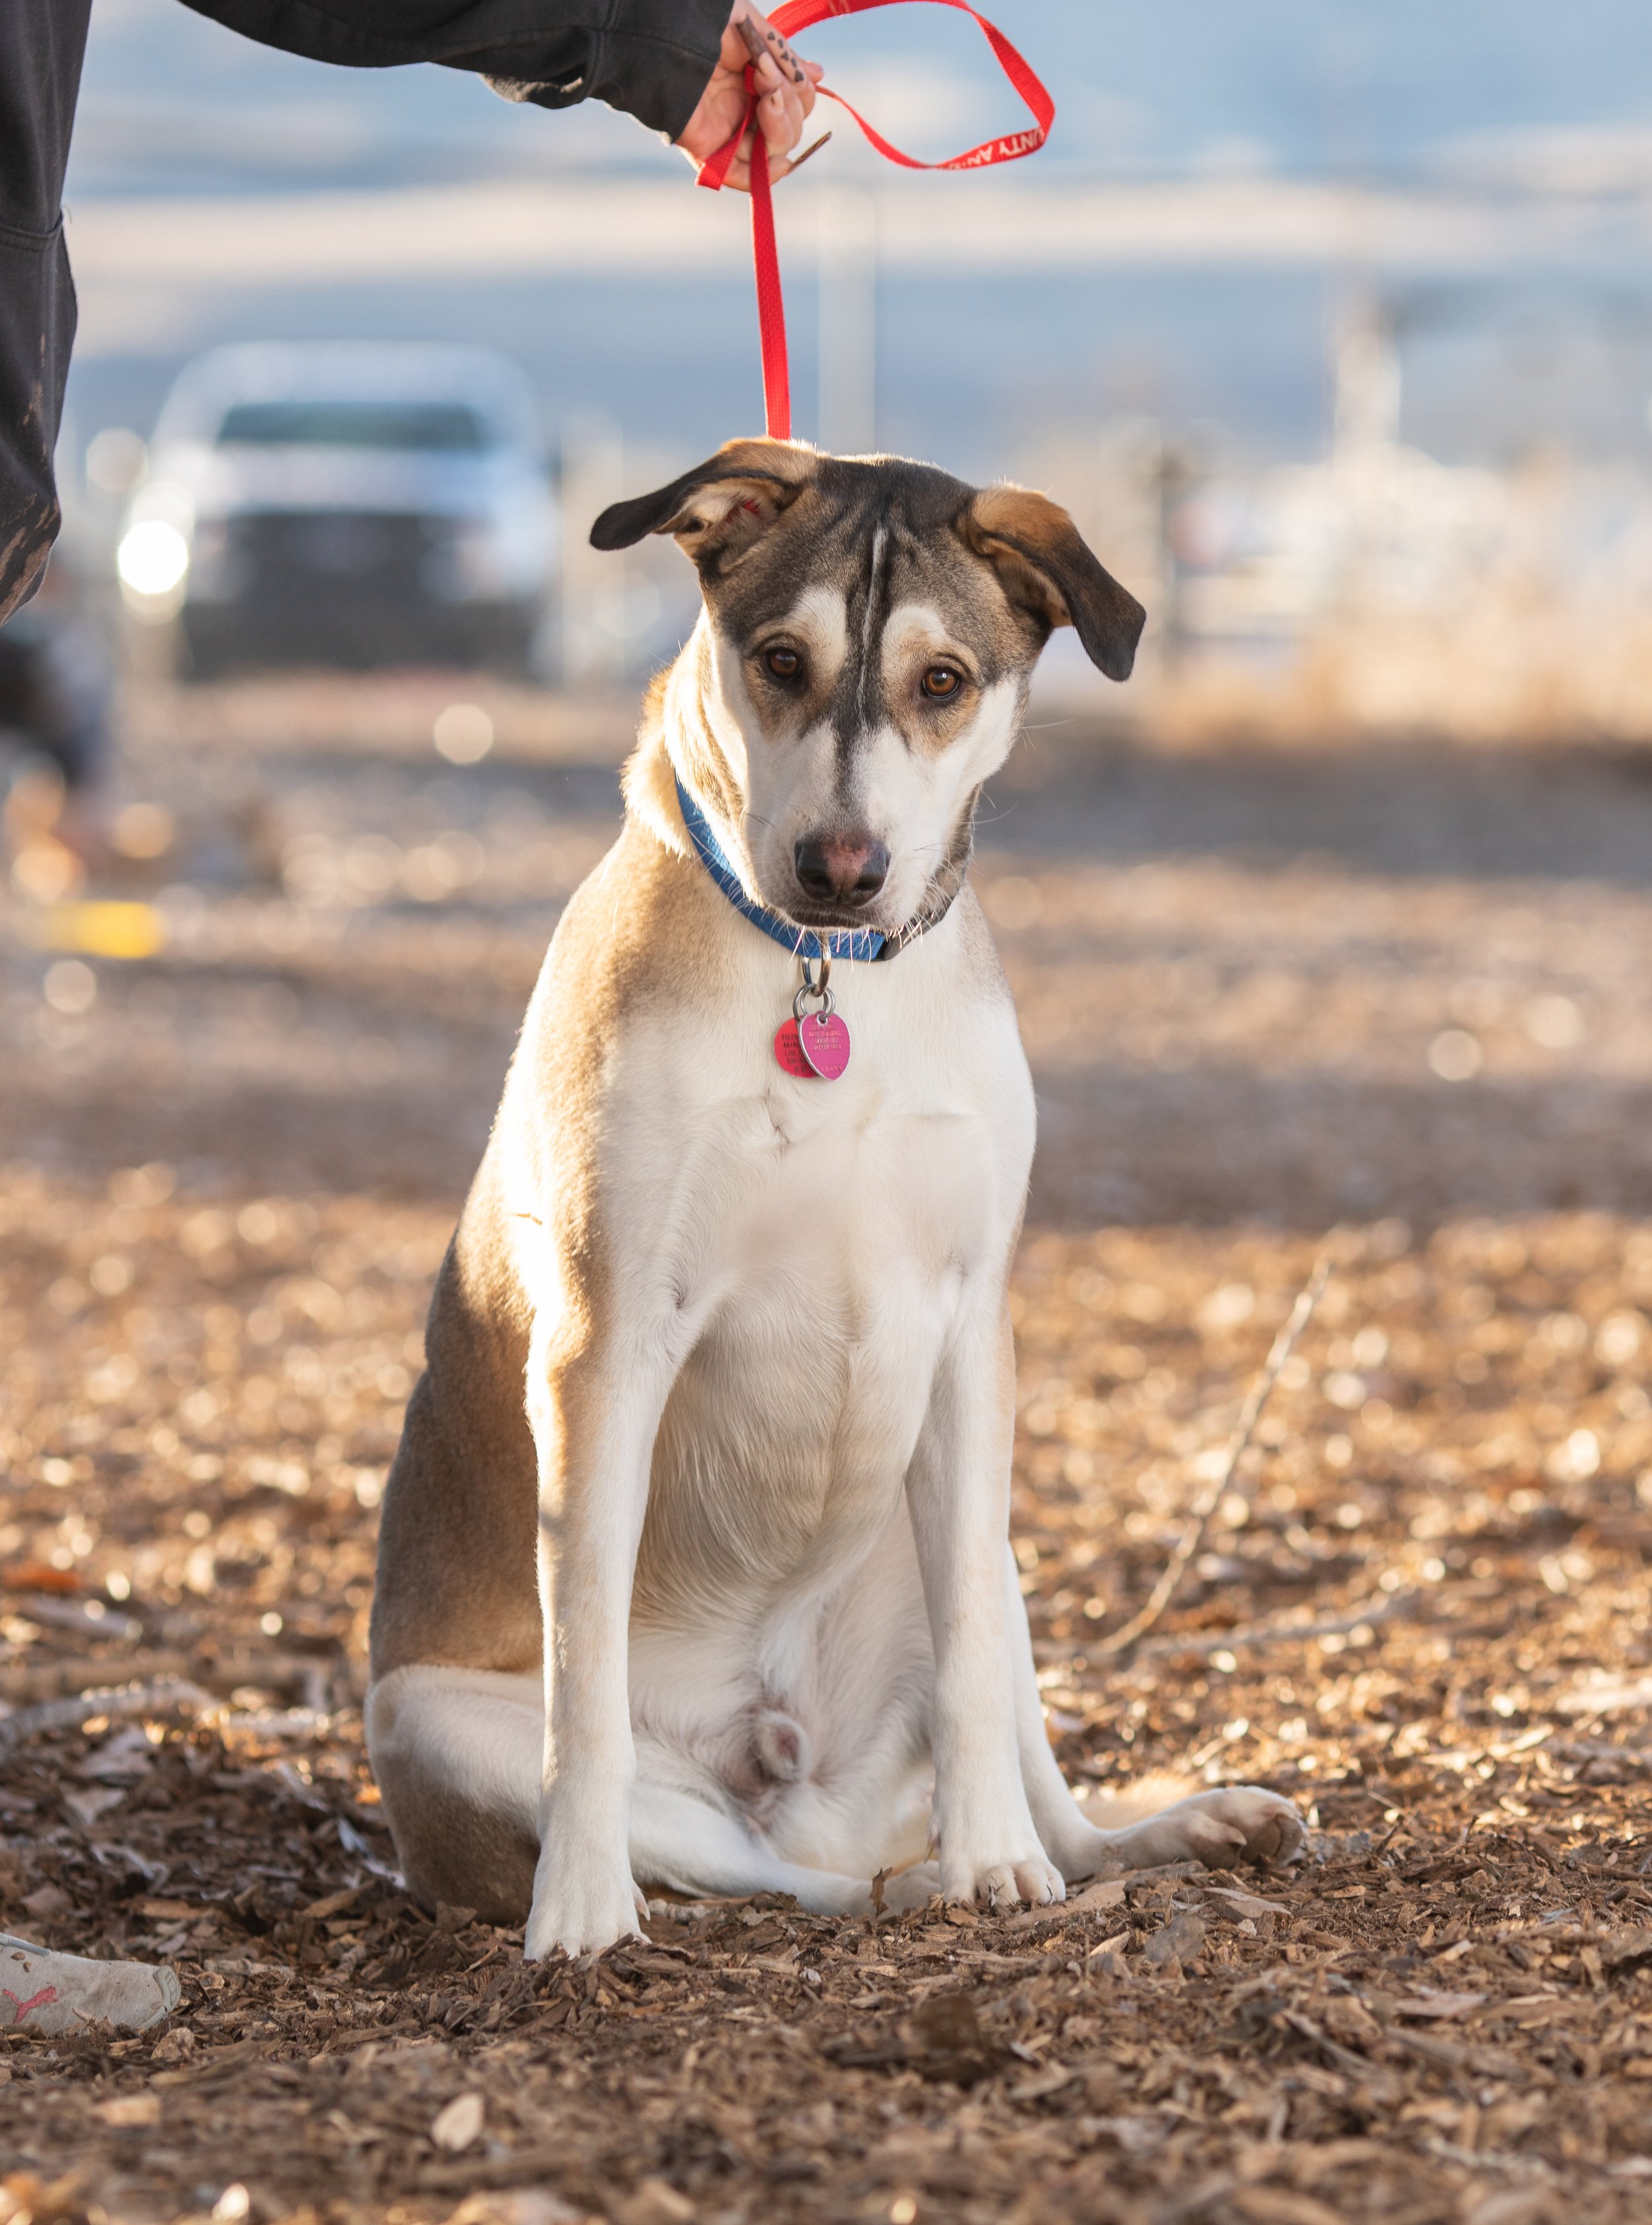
point(823, 960)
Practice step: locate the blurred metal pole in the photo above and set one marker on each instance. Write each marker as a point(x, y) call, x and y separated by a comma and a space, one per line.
point(847, 249)
point(1172, 476)
point(1366, 365)
point(593, 584)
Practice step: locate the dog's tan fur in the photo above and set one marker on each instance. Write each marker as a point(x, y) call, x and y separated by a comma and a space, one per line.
point(693, 1561)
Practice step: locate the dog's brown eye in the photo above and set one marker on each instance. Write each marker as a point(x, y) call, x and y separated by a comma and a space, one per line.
point(941, 681)
point(784, 663)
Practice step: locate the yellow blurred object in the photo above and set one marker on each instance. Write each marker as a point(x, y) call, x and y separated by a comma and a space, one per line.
point(103, 930)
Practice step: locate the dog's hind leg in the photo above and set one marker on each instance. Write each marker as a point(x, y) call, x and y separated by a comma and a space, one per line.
point(1237, 1820)
point(457, 1753)
point(680, 1841)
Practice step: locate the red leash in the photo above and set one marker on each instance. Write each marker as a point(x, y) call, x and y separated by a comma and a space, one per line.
point(797, 16)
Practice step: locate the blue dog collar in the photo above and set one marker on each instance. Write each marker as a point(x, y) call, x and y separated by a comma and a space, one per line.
point(864, 944)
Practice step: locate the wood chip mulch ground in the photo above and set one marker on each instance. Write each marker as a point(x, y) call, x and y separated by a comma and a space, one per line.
point(1423, 1612)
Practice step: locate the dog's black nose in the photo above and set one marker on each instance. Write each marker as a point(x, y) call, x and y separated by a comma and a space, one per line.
point(841, 868)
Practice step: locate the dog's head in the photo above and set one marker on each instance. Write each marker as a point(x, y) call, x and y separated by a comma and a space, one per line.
point(870, 628)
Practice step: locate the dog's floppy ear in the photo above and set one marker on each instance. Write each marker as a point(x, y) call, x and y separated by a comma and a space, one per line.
point(720, 507)
point(1044, 566)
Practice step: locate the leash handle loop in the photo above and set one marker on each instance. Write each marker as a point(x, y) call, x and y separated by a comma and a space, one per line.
point(795, 15)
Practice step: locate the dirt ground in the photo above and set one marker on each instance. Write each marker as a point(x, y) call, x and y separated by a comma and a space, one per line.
point(1261, 995)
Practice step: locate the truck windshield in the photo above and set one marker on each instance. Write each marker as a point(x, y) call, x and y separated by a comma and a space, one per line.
point(451, 427)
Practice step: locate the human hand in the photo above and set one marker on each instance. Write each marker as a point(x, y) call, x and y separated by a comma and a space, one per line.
point(785, 86)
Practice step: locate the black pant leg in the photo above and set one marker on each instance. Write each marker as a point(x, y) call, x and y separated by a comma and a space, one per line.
point(41, 46)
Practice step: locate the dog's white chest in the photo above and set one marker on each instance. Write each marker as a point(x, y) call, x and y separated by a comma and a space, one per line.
point(832, 1231)
point(848, 1240)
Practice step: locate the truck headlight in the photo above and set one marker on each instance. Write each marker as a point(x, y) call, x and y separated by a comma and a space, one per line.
point(152, 559)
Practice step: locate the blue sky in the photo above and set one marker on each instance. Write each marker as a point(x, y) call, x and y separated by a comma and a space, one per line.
point(1296, 85)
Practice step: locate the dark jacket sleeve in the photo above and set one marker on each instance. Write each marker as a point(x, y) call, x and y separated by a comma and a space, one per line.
point(651, 58)
point(41, 43)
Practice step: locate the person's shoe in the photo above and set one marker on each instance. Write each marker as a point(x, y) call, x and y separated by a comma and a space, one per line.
point(53, 1992)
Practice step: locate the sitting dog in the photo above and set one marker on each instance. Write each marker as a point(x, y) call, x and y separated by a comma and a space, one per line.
point(694, 1566)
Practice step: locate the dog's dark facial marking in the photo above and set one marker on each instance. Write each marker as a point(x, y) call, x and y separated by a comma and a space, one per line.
point(873, 624)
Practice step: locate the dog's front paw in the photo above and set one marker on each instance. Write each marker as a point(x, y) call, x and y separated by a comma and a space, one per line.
point(1241, 1823)
point(581, 1906)
point(1032, 1878)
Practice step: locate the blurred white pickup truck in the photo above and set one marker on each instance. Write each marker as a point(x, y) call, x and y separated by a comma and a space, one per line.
point(356, 504)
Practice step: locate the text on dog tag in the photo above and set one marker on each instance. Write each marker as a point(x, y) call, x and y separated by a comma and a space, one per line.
point(788, 1053)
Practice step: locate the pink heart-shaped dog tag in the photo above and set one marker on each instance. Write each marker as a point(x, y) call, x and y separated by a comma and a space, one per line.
point(825, 1039)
